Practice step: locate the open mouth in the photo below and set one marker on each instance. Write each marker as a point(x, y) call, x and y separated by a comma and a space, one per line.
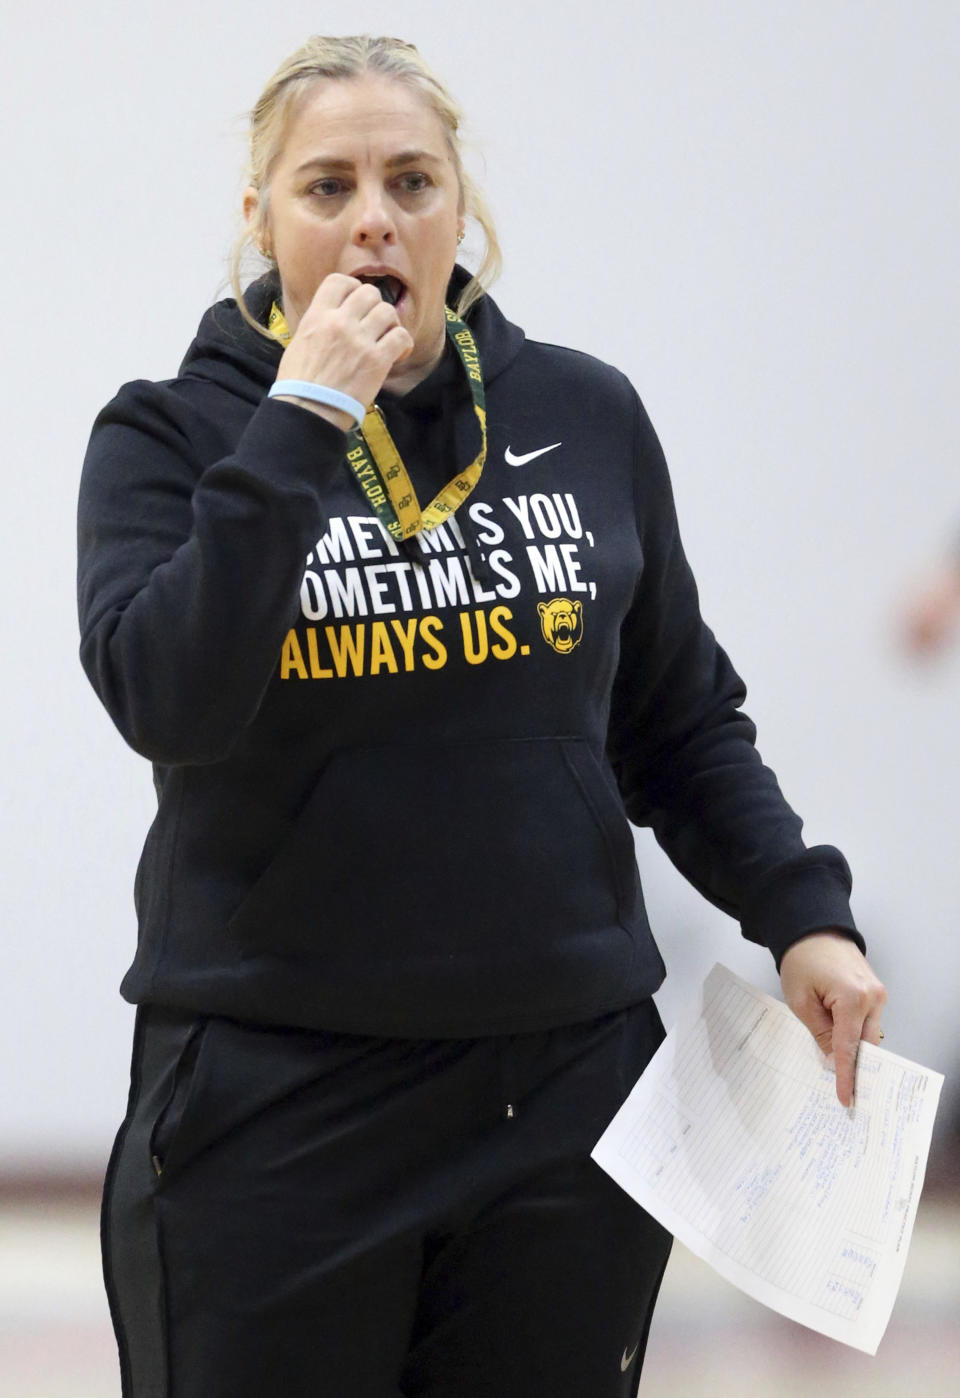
point(390, 288)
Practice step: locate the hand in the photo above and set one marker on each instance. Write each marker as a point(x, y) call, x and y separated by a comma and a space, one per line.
point(348, 338)
point(829, 985)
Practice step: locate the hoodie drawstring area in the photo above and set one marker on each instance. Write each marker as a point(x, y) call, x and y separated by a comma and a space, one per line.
point(506, 1072)
point(479, 566)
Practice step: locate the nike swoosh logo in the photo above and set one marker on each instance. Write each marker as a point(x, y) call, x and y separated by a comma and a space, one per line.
point(512, 460)
point(627, 1359)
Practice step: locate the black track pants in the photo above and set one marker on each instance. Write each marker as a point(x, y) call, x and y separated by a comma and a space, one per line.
point(294, 1214)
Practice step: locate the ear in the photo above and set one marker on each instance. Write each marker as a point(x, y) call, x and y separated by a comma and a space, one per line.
point(578, 608)
point(251, 215)
point(542, 608)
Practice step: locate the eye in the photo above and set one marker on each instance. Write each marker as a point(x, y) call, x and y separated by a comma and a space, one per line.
point(415, 182)
point(328, 187)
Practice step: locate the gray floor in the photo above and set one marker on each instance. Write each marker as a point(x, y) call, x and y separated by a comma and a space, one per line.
point(56, 1342)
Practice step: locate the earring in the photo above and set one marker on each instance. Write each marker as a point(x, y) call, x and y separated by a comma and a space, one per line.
point(460, 236)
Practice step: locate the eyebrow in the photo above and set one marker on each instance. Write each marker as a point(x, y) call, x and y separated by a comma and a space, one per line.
point(406, 157)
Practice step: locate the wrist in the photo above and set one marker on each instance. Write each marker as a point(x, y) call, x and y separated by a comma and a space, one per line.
point(304, 391)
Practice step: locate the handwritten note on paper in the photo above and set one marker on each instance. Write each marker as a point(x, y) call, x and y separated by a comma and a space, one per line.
point(735, 1141)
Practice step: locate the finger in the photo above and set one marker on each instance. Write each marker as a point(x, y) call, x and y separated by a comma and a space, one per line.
point(379, 316)
point(334, 290)
point(811, 1011)
point(847, 1027)
point(363, 299)
point(396, 343)
point(872, 1030)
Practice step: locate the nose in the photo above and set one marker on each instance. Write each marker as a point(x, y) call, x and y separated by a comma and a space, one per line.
point(373, 223)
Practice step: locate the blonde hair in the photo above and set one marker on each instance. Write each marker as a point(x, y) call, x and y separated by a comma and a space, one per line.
point(333, 58)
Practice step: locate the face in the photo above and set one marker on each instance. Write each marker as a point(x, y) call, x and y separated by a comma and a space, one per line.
point(365, 181)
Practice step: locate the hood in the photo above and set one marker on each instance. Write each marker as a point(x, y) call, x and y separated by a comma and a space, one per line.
point(228, 352)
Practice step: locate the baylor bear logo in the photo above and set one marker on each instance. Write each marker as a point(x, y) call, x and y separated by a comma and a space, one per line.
point(561, 624)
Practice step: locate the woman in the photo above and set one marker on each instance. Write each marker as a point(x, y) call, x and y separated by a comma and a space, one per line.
point(393, 971)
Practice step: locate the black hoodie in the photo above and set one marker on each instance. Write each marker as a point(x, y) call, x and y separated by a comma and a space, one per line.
point(394, 786)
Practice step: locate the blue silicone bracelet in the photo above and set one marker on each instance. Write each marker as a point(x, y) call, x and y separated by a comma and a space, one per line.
point(319, 393)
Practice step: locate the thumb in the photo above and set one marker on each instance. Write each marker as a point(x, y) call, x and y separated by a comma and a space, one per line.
point(812, 1012)
point(821, 1026)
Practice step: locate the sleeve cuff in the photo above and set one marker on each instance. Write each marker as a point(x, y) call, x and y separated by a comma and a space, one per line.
point(808, 894)
point(290, 447)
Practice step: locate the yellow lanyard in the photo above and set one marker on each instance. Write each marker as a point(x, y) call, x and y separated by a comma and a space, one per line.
point(385, 481)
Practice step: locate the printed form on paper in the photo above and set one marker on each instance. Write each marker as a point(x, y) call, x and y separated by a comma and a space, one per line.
point(735, 1141)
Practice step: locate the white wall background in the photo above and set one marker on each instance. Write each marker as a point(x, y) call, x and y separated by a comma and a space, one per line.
point(752, 208)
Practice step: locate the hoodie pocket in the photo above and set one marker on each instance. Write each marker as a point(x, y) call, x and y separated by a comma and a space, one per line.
point(603, 801)
point(439, 853)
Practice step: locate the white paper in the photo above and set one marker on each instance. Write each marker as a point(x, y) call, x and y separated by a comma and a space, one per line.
point(735, 1141)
